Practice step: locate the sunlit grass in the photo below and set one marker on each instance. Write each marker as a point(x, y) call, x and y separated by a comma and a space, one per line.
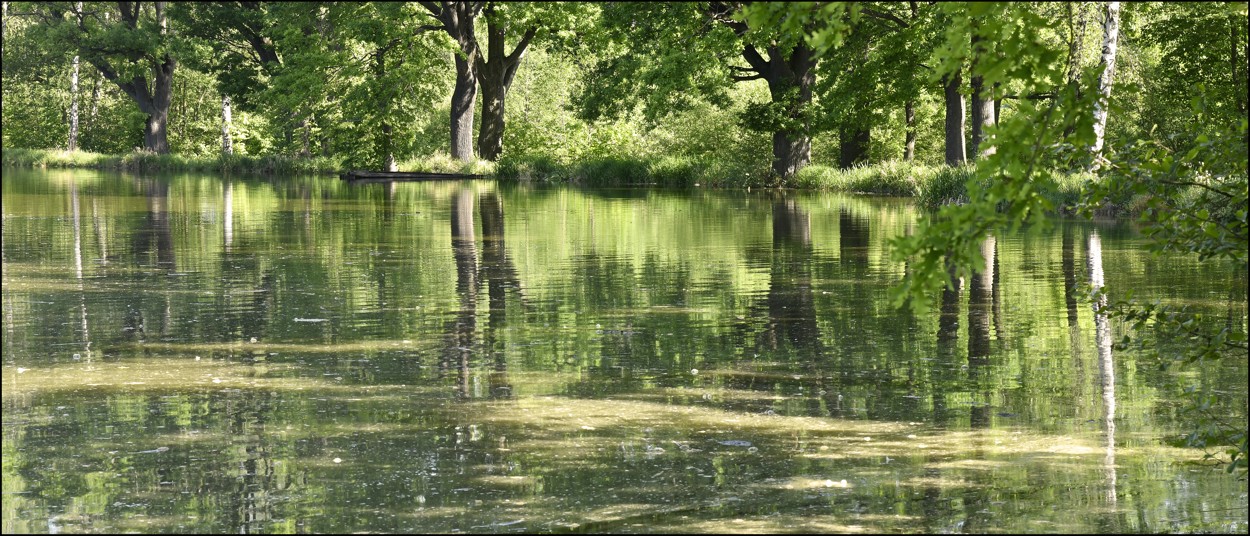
point(147, 161)
point(444, 163)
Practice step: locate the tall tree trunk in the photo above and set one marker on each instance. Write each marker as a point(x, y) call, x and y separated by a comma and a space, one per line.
point(791, 152)
point(385, 144)
point(792, 148)
point(73, 91)
point(156, 137)
point(73, 106)
point(458, 20)
point(495, 72)
point(462, 98)
point(156, 133)
point(227, 145)
point(909, 146)
point(490, 131)
point(853, 146)
point(1110, 34)
point(955, 153)
point(463, 325)
point(388, 162)
point(1076, 38)
point(154, 101)
point(982, 105)
point(909, 108)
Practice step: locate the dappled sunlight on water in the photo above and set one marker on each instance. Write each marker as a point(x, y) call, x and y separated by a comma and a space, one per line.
point(197, 354)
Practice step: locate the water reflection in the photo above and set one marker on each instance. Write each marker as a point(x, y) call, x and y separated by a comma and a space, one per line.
point(153, 236)
point(462, 326)
point(980, 318)
point(1076, 342)
point(712, 362)
point(76, 221)
point(227, 218)
point(502, 281)
point(791, 309)
point(1106, 366)
point(500, 278)
point(946, 365)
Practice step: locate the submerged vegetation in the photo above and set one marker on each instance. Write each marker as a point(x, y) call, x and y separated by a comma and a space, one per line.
point(994, 116)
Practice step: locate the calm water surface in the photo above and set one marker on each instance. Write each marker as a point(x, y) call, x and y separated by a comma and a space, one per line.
point(198, 354)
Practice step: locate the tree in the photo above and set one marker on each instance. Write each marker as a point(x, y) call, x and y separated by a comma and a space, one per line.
point(982, 101)
point(493, 66)
point(73, 93)
point(227, 144)
point(130, 47)
point(666, 55)
point(459, 20)
point(495, 71)
point(363, 68)
point(235, 41)
point(1199, 44)
point(1110, 35)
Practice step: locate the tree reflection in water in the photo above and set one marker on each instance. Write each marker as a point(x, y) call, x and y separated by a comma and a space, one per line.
point(1106, 366)
point(499, 275)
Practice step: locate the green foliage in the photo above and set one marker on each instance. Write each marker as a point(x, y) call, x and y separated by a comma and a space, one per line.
point(1195, 202)
point(947, 187)
point(444, 163)
point(659, 56)
point(357, 68)
point(1200, 43)
point(889, 178)
point(34, 115)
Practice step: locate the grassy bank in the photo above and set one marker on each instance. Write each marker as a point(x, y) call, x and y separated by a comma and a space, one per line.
point(141, 161)
point(667, 171)
point(444, 163)
point(932, 186)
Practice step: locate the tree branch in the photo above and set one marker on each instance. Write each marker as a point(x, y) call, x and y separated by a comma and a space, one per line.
point(884, 16)
point(1031, 96)
point(1200, 185)
point(525, 42)
point(753, 57)
point(433, 7)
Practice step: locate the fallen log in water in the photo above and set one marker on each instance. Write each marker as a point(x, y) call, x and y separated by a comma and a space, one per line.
point(374, 176)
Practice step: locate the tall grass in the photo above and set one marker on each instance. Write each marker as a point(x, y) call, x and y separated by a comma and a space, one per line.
point(143, 161)
point(443, 163)
point(666, 171)
point(887, 178)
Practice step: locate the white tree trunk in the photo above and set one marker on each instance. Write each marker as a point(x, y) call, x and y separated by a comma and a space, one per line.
point(73, 106)
point(73, 93)
point(227, 145)
point(1110, 34)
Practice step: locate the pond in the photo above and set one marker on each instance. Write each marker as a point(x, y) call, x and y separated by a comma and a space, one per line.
point(203, 354)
